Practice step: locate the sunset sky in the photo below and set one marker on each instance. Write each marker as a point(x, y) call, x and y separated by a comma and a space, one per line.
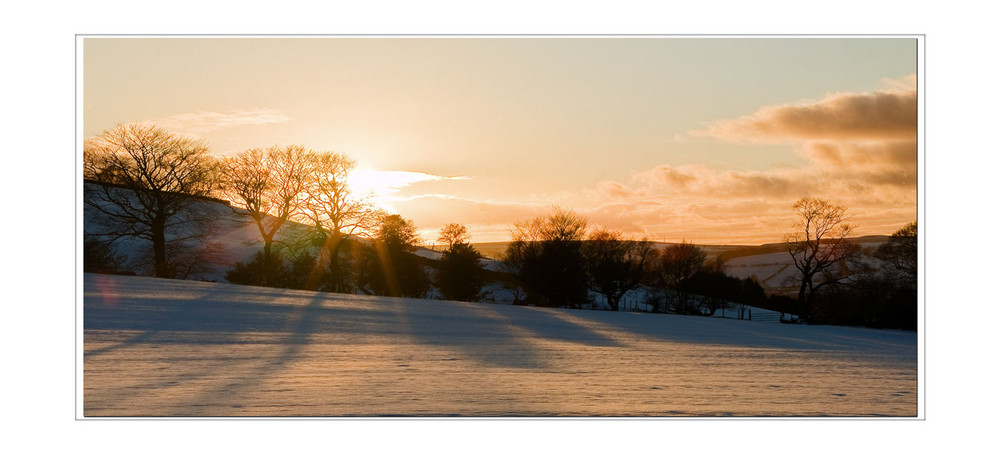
point(708, 140)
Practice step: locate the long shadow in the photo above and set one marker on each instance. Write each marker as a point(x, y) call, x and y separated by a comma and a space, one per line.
point(147, 305)
point(145, 337)
point(300, 326)
point(105, 309)
point(211, 316)
point(490, 335)
point(165, 311)
point(742, 333)
point(553, 324)
point(219, 315)
point(469, 331)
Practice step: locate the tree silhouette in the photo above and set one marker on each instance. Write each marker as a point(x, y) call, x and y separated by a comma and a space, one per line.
point(459, 276)
point(819, 247)
point(675, 264)
point(452, 234)
point(335, 212)
point(615, 264)
point(101, 256)
point(680, 261)
point(901, 251)
point(391, 269)
point(149, 175)
point(270, 185)
point(546, 254)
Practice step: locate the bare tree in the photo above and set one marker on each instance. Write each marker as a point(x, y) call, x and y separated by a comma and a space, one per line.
point(334, 211)
point(676, 264)
point(818, 246)
point(680, 261)
point(615, 264)
point(270, 185)
point(148, 176)
point(453, 234)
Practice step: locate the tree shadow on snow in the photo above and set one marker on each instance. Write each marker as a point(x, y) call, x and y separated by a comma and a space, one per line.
point(488, 334)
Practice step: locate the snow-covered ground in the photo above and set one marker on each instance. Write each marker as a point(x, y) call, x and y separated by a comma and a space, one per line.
point(774, 270)
point(771, 270)
point(155, 347)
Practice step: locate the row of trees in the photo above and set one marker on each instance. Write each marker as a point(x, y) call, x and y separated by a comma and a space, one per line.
point(160, 172)
point(560, 261)
point(149, 176)
point(836, 280)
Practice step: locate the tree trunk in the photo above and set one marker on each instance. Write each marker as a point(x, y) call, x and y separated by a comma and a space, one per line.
point(336, 284)
point(802, 292)
point(613, 302)
point(159, 248)
point(805, 295)
point(268, 277)
point(315, 278)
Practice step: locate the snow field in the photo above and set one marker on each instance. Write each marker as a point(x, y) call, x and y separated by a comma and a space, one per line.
point(155, 347)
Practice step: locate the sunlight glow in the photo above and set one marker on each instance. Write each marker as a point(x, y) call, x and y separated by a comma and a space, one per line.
point(381, 185)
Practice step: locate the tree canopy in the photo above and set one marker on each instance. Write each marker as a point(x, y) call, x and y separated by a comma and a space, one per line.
point(160, 170)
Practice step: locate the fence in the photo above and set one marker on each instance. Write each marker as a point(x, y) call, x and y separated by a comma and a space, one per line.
point(638, 304)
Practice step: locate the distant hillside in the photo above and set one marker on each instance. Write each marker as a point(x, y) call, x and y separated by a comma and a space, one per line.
point(495, 250)
point(234, 238)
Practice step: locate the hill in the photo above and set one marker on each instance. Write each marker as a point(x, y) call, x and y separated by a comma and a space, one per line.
point(234, 238)
point(768, 263)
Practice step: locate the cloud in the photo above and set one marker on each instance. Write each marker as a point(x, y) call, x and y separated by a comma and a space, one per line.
point(441, 209)
point(385, 182)
point(614, 190)
point(204, 121)
point(384, 186)
point(892, 162)
point(890, 114)
point(905, 83)
point(487, 220)
point(667, 180)
point(860, 150)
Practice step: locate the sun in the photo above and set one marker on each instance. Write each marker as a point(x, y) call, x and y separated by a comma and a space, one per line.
point(380, 186)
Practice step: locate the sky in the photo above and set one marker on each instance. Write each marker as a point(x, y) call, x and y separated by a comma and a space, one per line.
point(708, 139)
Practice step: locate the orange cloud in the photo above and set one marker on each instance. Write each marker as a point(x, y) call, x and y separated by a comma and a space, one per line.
point(883, 115)
point(875, 163)
point(860, 150)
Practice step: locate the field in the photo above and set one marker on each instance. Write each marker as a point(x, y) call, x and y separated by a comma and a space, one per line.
point(155, 347)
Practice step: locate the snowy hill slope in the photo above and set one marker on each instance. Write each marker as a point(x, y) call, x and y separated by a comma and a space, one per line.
point(774, 270)
point(231, 237)
point(155, 347)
